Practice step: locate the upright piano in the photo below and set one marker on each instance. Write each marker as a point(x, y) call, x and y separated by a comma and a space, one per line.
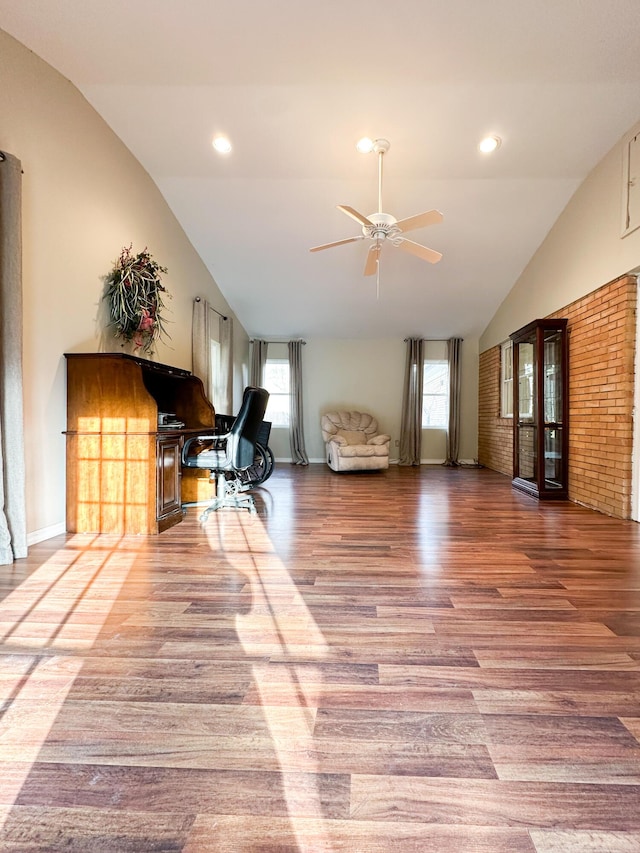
point(127, 419)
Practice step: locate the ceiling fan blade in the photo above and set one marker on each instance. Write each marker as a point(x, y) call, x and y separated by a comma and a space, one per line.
point(354, 214)
point(337, 243)
point(421, 251)
point(373, 256)
point(420, 220)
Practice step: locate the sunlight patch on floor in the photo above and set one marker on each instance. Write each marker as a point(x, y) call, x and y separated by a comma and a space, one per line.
point(64, 605)
point(279, 624)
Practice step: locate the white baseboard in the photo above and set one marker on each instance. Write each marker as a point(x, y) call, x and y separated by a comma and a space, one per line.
point(391, 461)
point(441, 461)
point(323, 461)
point(46, 533)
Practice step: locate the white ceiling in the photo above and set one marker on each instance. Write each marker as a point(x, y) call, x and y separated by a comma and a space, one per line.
point(295, 84)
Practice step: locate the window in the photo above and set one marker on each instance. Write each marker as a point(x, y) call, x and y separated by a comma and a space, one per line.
point(276, 381)
point(631, 184)
point(506, 379)
point(435, 394)
point(525, 381)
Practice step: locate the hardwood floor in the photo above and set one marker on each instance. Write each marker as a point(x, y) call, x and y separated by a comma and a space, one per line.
point(415, 660)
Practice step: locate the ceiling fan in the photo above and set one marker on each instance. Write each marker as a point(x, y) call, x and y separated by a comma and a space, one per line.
point(380, 227)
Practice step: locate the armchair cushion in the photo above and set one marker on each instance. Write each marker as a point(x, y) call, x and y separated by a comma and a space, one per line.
point(353, 436)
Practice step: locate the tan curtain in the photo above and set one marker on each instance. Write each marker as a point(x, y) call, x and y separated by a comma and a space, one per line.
point(453, 429)
point(218, 384)
point(201, 343)
point(411, 422)
point(13, 522)
point(296, 430)
point(259, 350)
point(223, 400)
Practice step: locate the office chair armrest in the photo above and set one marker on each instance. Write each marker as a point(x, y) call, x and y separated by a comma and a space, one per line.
point(216, 442)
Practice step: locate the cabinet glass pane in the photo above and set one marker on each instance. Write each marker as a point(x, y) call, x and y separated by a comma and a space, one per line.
point(527, 452)
point(553, 457)
point(552, 378)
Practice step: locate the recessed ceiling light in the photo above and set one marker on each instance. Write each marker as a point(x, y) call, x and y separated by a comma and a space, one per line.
point(489, 144)
point(221, 144)
point(364, 145)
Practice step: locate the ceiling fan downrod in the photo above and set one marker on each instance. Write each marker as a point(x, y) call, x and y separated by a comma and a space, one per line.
point(380, 146)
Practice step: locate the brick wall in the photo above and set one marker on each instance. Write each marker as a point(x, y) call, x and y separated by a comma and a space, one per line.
point(495, 434)
point(602, 333)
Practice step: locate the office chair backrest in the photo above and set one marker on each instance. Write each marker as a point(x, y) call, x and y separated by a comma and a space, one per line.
point(241, 443)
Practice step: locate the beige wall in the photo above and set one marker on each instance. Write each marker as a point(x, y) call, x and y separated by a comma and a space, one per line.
point(583, 251)
point(84, 197)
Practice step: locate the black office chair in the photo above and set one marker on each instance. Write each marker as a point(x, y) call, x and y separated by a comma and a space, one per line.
point(264, 461)
point(226, 456)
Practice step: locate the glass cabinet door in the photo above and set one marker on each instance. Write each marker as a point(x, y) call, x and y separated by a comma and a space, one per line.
point(527, 461)
point(540, 409)
point(553, 400)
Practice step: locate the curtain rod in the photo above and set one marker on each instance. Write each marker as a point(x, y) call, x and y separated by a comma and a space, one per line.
point(219, 313)
point(304, 343)
point(435, 340)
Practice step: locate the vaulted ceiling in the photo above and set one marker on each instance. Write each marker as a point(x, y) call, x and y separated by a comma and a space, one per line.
point(295, 84)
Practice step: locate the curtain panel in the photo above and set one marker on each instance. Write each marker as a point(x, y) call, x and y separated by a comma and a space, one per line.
point(207, 325)
point(224, 390)
point(13, 520)
point(411, 422)
point(259, 350)
point(296, 430)
point(453, 428)
point(201, 343)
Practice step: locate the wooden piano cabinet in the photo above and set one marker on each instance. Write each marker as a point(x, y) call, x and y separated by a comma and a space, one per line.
point(123, 472)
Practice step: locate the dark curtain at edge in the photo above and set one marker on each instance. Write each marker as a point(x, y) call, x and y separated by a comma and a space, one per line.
point(453, 428)
point(411, 422)
point(296, 429)
point(259, 349)
point(13, 524)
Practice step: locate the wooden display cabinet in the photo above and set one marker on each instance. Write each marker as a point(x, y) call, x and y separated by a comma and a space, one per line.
point(541, 409)
point(124, 473)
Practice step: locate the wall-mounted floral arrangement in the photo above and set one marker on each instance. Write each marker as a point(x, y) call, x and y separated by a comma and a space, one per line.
point(134, 291)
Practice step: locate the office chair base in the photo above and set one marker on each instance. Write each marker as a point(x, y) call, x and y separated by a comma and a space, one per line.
point(231, 494)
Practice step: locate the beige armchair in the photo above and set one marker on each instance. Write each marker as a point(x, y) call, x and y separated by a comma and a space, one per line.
point(353, 442)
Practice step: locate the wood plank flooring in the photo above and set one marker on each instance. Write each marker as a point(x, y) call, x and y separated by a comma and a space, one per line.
point(415, 660)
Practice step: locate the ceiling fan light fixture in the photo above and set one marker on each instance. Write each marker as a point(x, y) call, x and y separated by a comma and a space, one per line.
point(381, 227)
point(489, 144)
point(364, 145)
point(221, 144)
